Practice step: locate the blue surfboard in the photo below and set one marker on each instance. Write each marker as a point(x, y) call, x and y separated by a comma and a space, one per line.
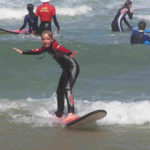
point(135, 28)
point(147, 42)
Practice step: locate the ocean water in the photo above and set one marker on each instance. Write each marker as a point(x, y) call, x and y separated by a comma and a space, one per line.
point(114, 76)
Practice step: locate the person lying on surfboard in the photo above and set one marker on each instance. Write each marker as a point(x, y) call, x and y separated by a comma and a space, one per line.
point(70, 67)
point(28, 19)
point(138, 37)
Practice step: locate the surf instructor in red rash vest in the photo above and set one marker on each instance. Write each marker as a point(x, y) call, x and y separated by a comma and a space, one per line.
point(46, 12)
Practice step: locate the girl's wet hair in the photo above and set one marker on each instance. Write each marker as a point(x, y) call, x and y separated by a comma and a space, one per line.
point(128, 2)
point(47, 32)
point(30, 7)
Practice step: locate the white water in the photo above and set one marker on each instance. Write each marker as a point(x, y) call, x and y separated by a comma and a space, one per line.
point(36, 111)
point(19, 13)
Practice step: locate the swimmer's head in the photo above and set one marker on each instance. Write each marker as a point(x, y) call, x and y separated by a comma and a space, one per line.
point(30, 7)
point(141, 25)
point(128, 4)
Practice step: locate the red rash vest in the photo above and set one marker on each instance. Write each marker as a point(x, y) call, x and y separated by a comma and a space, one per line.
point(45, 12)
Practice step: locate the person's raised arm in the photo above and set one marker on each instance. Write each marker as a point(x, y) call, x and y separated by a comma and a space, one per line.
point(130, 13)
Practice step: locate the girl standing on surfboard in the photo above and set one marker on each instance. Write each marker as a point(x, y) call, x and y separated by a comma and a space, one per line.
point(65, 58)
point(121, 16)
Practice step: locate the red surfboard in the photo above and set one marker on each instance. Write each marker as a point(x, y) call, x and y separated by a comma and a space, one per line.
point(77, 121)
point(4, 31)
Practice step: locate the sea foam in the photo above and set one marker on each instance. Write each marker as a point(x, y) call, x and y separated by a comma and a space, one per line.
point(66, 11)
point(36, 111)
point(13, 13)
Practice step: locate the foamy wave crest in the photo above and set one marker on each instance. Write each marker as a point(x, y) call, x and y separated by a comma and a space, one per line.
point(30, 111)
point(11, 13)
point(119, 113)
point(127, 113)
point(65, 11)
point(36, 111)
point(145, 17)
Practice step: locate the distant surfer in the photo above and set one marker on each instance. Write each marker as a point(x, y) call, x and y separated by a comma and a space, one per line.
point(65, 58)
point(121, 16)
point(28, 19)
point(46, 12)
point(138, 37)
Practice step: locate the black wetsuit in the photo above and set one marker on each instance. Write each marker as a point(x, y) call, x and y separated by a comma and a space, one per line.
point(117, 22)
point(28, 19)
point(68, 77)
point(139, 38)
point(45, 25)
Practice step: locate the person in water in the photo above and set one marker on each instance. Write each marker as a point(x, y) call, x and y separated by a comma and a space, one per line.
point(70, 67)
point(46, 12)
point(138, 37)
point(121, 16)
point(28, 19)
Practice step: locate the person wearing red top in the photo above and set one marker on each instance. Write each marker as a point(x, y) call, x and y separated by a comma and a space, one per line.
point(65, 58)
point(46, 12)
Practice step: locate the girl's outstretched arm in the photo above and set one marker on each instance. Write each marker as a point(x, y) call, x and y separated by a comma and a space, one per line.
point(18, 50)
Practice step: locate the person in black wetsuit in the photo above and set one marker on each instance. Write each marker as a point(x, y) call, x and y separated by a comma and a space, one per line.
point(70, 67)
point(121, 16)
point(28, 19)
point(138, 37)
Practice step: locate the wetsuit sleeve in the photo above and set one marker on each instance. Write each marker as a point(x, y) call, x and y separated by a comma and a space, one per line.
point(34, 51)
point(60, 48)
point(127, 23)
point(35, 23)
point(25, 22)
point(55, 21)
point(130, 15)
